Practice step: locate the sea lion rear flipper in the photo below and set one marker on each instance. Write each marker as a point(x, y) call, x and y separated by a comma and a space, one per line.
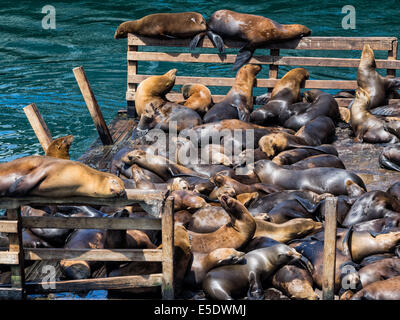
point(243, 57)
point(217, 41)
point(195, 41)
point(255, 287)
point(385, 163)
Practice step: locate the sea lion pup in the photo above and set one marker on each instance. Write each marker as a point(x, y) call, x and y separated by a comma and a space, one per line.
point(390, 157)
point(59, 148)
point(285, 93)
point(379, 270)
point(238, 102)
point(376, 86)
point(321, 104)
point(294, 282)
point(372, 205)
point(204, 262)
point(319, 180)
point(289, 157)
point(197, 97)
point(317, 161)
point(58, 178)
point(367, 127)
point(289, 230)
point(256, 31)
point(208, 219)
point(317, 131)
point(231, 281)
point(388, 289)
point(232, 235)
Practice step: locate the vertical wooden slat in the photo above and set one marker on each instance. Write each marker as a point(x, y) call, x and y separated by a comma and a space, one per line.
point(273, 69)
point(38, 125)
point(392, 55)
point(16, 245)
point(92, 105)
point(328, 280)
point(132, 70)
point(167, 288)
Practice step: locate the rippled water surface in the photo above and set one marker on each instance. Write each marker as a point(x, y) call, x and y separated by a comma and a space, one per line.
point(36, 64)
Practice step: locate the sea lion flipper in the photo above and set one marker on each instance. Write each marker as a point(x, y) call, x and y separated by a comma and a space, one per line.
point(392, 83)
point(195, 41)
point(385, 163)
point(243, 113)
point(255, 287)
point(263, 99)
point(243, 57)
point(306, 204)
point(23, 185)
point(217, 41)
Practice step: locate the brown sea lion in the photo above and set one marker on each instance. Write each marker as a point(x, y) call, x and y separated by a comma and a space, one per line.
point(394, 190)
point(204, 262)
point(388, 289)
point(379, 270)
point(59, 148)
point(289, 157)
point(284, 232)
point(367, 127)
point(238, 102)
point(274, 143)
point(215, 154)
point(285, 93)
point(321, 104)
point(317, 131)
point(232, 235)
point(59, 178)
point(376, 86)
point(185, 199)
point(389, 158)
point(231, 281)
point(319, 180)
point(318, 161)
point(289, 209)
point(197, 97)
point(294, 282)
point(208, 219)
point(256, 31)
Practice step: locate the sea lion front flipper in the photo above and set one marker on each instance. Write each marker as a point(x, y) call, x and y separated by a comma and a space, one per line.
point(23, 185)
point(217, 41)
point(195, 41)
point(255, 287)
point(263, 99)
point(306, 204)
point(243, 112)
point(243, 57)
point(385, 163)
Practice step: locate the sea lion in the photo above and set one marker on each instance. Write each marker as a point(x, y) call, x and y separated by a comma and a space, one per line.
point(232, 235)
point(204, 262)
point(256, 31)
point(59, 178)
point(380, 290)
point(197, 97)
point(290, 209)
point(285, 93)
point(289, 157)
point(208, 219)
point(260, 242)
point(389, 158)
point(376, 257)
point(317, 131)
point(185, 199)
point(215, 154)
point(318, 161)
point(294, 282)
point(59, 148)
point(379, 270)
point(394, 190)
point(274, 143)
point(238, 102)
point(228, 282)
point(367, 127)
point(376, 86)
point(289, 230)
point(319, 180)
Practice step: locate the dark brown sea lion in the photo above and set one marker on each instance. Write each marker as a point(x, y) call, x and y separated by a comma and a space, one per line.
point(294, 282)
point(317, 131)
point(289, 157)
point(390, 157)
point(232, 235)
point(208, 219)
point(238, 102)
point(367, 127)
point(197, 97)
point(376, 86)
point(59, 178)
point(318, 161)
point(204, 262)
point(388, 289)
point(285, 93)
point(256, 31)
point(319, 180)
point(29, 240)
point(59, 148)
point(379, 270)
point(228, 282)
point(394, 190)
point(321, 104)
point(289, 209)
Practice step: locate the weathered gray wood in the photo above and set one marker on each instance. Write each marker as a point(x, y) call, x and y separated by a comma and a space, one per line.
point(328, 280)
point(132, 69)
point(392, 55)
point(168, 287)
point(38, 125)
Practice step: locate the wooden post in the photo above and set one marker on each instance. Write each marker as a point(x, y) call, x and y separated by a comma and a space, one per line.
point(273, 69)
point(38, 125)
point(132, 70)
point(328, 280)
point(167, 288)
point(392, 55)
point(16, 245)
point(92, 105)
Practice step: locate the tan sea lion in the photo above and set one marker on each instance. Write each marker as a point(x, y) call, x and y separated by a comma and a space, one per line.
point(208, 219)
point(379, 270)
point(388, 289)
point(197, 97)
point(185, 199)
point(59, 148)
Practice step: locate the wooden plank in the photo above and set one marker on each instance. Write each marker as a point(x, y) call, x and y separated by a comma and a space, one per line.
point(92, 223)
point(111, 283)
point(125, 255)
point(392, 55)
point(167, 288)
point(11, 294)
point(306, 43)
point(7, 257)
point(328, 277)
point(273, 59)
point(9, 226)
point(260, 83)
point(92, 106)
point(38, 125)
point(132, 69)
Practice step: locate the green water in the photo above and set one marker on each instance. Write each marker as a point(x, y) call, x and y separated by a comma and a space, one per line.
point(36, 64)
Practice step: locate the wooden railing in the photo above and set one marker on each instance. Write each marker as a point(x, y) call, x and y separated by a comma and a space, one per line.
point(274, 60)
point(16, 254)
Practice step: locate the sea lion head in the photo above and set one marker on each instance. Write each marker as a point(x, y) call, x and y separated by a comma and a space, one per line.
point(367, 57)
point(219, 180)
point(115, 185)
point(248, 71)
point(226, 256)
point(362, 97)
point(131, 157)
point(312, 94)
point(302, 31)
point(178, 184)
point(124, 28)
point(272, 143)
point(196, 22)
point(285, 254)
point(59, 148)
point(232, 206)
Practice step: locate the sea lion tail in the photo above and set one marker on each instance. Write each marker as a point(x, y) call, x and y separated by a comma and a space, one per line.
point(195, 41)
point(217, 41)
point(243, 57)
